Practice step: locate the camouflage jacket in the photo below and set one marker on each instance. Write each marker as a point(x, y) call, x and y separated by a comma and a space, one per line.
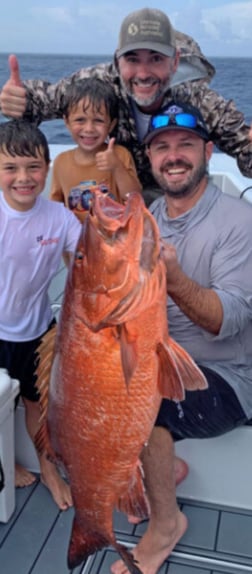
point(190, 83)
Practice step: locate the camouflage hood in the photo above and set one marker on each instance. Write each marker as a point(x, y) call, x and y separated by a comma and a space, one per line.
point(193, 65)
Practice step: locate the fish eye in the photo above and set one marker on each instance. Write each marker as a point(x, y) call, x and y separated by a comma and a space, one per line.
point(78, 255)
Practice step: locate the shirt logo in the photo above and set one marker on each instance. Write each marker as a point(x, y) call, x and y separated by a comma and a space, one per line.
point(49, 241)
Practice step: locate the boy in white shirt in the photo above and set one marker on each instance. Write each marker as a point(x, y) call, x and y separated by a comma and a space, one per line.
point(34, 233)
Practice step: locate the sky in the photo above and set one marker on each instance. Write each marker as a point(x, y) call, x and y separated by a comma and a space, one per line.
point(221, 27)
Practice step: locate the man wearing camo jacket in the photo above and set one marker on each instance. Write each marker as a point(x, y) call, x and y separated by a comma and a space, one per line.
point(153, 65)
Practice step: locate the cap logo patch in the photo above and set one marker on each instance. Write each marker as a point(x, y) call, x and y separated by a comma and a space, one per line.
point(133, 29)
point(174, 110)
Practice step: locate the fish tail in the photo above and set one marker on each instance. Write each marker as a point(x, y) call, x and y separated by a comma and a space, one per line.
point(84, 541)
point(135, 501)
point(127, 558)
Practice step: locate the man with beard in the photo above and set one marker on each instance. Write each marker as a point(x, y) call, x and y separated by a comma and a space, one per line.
point(153, 65)
point(206, 240)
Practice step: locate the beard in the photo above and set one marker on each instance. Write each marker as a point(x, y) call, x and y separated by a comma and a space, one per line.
point(184, 189)
point(145, 102)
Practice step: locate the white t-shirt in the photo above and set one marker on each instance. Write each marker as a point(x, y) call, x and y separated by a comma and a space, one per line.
point(31, 247)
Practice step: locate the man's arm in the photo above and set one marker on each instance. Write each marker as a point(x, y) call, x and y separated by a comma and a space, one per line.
point(38, 100)
point(201, 305)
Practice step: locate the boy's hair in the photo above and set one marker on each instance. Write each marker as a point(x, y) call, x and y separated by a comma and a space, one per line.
point(22, 138)
point(98, 93)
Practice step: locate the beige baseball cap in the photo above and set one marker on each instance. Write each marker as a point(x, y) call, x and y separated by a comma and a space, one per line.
point(147, 29)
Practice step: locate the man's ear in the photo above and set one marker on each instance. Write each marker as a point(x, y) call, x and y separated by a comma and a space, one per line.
point(116, 61)
point(147, 151)
point(175, 62)
point(209, 150)
point(65, 120)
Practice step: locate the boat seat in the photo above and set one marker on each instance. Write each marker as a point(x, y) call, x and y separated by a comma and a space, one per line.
point(219, 468)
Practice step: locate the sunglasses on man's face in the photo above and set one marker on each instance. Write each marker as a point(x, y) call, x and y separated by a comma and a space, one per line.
point(181, 120)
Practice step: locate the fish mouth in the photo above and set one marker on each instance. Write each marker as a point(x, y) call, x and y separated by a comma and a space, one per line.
point(111, 220)
point(117, 252)
point(108, 215)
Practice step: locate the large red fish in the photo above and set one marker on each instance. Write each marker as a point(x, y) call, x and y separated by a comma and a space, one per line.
point(113, 363)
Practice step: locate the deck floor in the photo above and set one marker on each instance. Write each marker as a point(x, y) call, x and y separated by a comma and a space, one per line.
point(35, 540)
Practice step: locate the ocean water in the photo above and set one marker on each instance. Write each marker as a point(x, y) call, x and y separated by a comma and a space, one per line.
point(233, 80)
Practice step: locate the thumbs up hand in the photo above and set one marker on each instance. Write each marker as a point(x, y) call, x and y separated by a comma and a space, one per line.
point(13, 94)
point(107, 160)
point(15, 79)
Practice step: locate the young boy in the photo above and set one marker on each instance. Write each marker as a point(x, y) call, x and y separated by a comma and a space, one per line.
point(34, 233)
point(90, 114)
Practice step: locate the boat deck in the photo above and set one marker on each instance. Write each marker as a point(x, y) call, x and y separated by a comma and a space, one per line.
point(35, 539)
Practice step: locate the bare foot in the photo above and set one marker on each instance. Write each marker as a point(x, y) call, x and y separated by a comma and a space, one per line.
point(153, 548)
point(181, 472)
point(59, 489)
point(23, 477)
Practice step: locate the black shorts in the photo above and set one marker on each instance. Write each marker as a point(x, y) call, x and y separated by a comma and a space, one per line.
point(203, 414)
point(21, 361)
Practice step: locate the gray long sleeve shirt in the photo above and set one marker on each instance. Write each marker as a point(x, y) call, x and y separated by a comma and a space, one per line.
point(214, 247)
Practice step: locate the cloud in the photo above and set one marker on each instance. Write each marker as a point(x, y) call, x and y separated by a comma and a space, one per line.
point(94, 24)
point(235, 17)
point(56, 14)
point(221, 27)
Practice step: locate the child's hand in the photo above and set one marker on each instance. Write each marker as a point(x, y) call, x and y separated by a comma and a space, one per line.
point(107, 160)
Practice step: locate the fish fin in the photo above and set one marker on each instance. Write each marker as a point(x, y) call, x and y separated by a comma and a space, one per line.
point(135, 501)
point(84, 542)
point(127, 558)
point(128, 348)
point(45, 352)
point(177, 371)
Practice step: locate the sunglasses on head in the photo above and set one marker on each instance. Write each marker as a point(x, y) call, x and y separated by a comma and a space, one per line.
point(183, 120)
